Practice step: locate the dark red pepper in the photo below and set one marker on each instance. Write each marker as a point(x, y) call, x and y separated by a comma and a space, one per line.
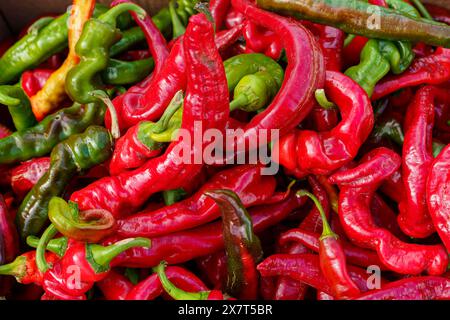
point(27, 174)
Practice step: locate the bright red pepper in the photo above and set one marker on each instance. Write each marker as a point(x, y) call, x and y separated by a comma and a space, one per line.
point(418, 288)
point(206, 75)
point(190, 244)
point(357, 187)
point(27, 174)
point(323, 152)
point(219, 10)
point(115, 286)
point(151, 288)
point(432, 69)
point(34, 80)
point(247, 181)
point(438, 195)
point(417, 156)
point(233, 18)
point(258, 39)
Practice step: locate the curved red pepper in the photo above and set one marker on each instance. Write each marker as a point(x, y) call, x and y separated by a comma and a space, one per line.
point(115, 286)
point(247, 181)
point(323, 152)
point(190, 244)
point(417, 157)
point(438, 195)
point(357, 187)
point(219, 10)
point(419, 288)
point(27, 174)
point(206, 103)
point(34, 80)
point(432, 69)
point(258, 39)
point(233, 18)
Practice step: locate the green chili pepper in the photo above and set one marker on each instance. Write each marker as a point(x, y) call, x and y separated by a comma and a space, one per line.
point(121, 72)
point(371, 69)
point(387, 23)
point(98, 35)
point(70, 157)
point(39, 140)
point(37, 46)
point(177, 26)
point(240, 240)
point(403, 7)
point(18, 105)
point(173, 196)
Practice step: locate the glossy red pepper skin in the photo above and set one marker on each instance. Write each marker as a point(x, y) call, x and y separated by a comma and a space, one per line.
point(31, 274)
point(302, 76)
point(219, 10)
point(418, 288)
point(393, 187)
point(258, 39)
point(322, 153)
point(417, 157)
point(352, 52)
point(27, 174)
point(357, 187)
point(151, 288)
point(355, 255)
point(438, 195)
point(115, 286)
point(214, 268)
point(306, 268)
point(246, 180)
point(385, 217)
point(432, 69)
point(190, 244)
point(233, 18)
point(34, 80)
point(286, 287)
point(129, 190)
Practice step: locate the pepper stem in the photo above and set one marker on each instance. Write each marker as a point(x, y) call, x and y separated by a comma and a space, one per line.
point(326, 232)
point(39, 25)
point(104, 255)
point(17, 268)
point(238, 102)
point(111, 15)
point(323, 100)
point(103, 96)
point(203, 7)
point(178, 28)
point(348, 39)
point(57, 246)
point(8, 100)
point(175, 292)
point(48, 234)
point(421, 8)
point(175, 104)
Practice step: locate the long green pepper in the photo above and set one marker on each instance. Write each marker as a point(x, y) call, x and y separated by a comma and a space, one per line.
point(69, 158)
point(120, 72)
point(18, 105)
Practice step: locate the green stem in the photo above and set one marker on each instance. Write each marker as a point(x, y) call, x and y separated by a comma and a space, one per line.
point(111, 15)
point(7, 100)
point(178, 28)
point(103, 96)
point(348, 39)
point(103, 255)
point(238, 102)
point(327, 232)
point(173, 291)
point(322, 99)
point(203, 7)
point(39, 24)
point(423, 11)
point(175, 104)
point(57, 246)
point(17, 268)
point(48, 234)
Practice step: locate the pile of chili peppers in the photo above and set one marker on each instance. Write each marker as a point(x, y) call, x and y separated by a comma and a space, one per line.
point(96, 204)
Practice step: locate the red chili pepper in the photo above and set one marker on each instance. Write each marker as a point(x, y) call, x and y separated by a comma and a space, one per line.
point(233, 18)
point(34, 80)
point(115, 286)
point(306, 268)
point(438, 195)
point(219, 10)
point(385, 217)
point(190, 244)
point(357, 187)
point(324, 152)
point(151, 287)
point(414, 219)
point(355, 255)
point(206, 75)
point(247, 181)
point(438, 13)
point(352, 52)
point(432, 69)
point(214, 268)
point(27, 174)
point(393, 187)
point(4, 131)
point(258, 39)
point(226, 38)
point(287, 288)
point(418, 288)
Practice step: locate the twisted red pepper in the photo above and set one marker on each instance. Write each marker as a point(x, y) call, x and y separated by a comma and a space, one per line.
point(419, 288)
point(414, 219)
point(357, 187)
point(206, 103)
point(438, 195)
point(321, 153)
point(247, 181)
point(190, 244)
point(27, 174)
point(432, 69)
